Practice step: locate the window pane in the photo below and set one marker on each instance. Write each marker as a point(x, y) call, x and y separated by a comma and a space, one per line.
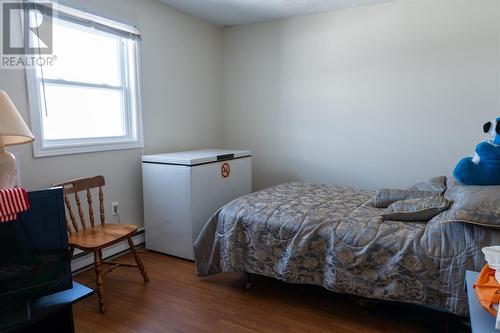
point(84, 56)
point(79, 112)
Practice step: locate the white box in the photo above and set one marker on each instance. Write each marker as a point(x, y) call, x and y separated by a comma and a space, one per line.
point(183, 190)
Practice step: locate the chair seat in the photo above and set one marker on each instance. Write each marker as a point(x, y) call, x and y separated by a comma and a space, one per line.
point(101, 236)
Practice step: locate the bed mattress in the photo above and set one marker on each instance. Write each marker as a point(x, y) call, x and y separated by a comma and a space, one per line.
point(334, 237)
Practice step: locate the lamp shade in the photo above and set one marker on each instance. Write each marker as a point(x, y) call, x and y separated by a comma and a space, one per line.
point(13, 129)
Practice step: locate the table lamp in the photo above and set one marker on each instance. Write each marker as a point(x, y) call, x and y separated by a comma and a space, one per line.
point(13, 131)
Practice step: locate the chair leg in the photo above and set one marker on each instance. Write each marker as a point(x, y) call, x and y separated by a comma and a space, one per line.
point(138, 260)
point(99, 279)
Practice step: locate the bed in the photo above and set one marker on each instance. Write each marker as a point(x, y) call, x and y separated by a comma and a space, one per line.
point(335, 237)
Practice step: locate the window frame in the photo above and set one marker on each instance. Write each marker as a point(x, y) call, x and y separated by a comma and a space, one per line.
point(131, 84)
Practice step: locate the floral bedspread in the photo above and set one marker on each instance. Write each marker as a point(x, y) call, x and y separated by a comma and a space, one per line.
point(334, 237)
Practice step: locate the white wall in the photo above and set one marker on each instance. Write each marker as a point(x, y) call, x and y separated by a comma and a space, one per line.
point(385, 95)
point(181, 101)
point(375, 96)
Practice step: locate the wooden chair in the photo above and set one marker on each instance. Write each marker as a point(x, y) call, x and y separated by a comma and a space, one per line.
point(94, 238)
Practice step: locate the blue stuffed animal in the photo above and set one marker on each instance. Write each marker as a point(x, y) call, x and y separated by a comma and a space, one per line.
point(484, 167)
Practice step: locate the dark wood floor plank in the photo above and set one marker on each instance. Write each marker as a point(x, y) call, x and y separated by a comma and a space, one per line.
point(176, 300)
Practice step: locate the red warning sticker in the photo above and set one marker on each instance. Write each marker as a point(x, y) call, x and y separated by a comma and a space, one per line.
point(225, 170)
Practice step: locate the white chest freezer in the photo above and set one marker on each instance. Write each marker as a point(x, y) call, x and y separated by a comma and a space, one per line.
point(183, 190)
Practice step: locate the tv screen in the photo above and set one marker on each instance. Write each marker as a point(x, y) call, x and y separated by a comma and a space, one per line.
point(34, 254)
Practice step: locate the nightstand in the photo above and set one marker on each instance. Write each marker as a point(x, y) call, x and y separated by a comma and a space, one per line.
point(52, 313)
point(481, 320)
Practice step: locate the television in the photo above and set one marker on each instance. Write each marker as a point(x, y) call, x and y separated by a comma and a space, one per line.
point(34, 252)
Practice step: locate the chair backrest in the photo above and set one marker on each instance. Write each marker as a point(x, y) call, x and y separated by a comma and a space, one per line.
point(73, 187)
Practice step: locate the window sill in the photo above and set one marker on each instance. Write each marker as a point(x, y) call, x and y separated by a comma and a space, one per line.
point(39, 151)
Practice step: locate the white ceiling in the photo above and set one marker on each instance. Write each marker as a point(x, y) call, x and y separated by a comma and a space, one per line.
point(234, 12)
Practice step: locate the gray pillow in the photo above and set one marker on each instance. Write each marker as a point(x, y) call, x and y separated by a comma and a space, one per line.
point(436, 184)
point(387, 196)
point(420, 209)
point(474, 204)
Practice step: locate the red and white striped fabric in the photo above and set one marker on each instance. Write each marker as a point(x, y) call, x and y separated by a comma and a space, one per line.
point(12, 202)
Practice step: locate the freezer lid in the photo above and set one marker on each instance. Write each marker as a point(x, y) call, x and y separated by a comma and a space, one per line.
point(196, 157)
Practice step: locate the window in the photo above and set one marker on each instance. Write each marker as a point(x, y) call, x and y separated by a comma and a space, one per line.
point(88, 99)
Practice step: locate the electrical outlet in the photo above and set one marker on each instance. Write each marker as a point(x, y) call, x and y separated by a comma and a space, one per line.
point(115, 208)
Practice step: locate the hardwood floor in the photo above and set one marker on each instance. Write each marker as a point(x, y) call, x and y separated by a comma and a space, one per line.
point(175, 300)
